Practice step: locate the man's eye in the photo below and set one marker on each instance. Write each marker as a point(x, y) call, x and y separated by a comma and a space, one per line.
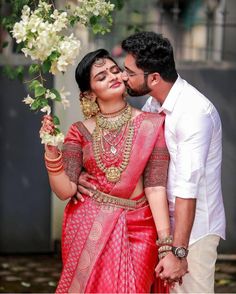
point(130, 73)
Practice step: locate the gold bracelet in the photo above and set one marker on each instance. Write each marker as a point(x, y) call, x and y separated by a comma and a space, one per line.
point(162, 254)
point(165, 241)
point(164, 248)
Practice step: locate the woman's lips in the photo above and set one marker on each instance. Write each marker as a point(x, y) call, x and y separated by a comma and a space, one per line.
point(116, 85)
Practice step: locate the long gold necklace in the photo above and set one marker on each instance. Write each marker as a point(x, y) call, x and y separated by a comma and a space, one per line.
point(104, 123)
point(112, 139)
point(113, 173)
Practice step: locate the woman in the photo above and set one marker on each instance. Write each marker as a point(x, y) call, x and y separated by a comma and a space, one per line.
point(109, 240)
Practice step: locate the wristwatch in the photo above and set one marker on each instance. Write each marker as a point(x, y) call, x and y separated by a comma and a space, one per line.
point(180, 252)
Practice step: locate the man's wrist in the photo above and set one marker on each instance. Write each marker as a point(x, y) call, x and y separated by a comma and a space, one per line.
point(180, 251)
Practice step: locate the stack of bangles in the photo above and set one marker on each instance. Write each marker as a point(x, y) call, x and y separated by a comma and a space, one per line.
point(54, 166)
point(164, 246)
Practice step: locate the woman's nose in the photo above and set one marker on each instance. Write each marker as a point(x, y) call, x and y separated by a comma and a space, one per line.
point(113, 76)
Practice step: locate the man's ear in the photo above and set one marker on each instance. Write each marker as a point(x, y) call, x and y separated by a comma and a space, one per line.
point(154, 79)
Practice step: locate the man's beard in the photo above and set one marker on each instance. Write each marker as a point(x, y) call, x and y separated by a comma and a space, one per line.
point(141, 91)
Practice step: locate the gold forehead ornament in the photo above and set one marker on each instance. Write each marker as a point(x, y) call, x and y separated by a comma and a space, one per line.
point(99, 62)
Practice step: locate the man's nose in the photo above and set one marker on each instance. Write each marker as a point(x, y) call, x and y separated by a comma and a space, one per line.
point(124, 76)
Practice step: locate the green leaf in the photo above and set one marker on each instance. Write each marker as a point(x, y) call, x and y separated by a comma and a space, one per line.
point(54, 55)
point(93, 20)
point(20, 72)
point(58, 96)
point(9, 71)
point(33, 69)
point(48, 62)
point(56, 120)
point(34, 84)
point(13, 72)
point(35, 105)
point(97, 28)
point(119, 4)
point(73, 20)
point(46, 65)
point(56, 131)
point(43, 102)
point(39, 91)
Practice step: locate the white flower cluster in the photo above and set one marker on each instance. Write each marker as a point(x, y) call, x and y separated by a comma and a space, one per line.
point(47, 138)
point(87, 8)
point(41, 32)
point(50, 95)
point(53, 140)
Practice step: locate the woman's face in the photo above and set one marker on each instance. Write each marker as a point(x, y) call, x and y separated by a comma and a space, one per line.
point(106, 80)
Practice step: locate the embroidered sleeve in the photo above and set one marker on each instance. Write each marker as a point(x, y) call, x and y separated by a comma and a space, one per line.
point(156, 171)
point(72, 154)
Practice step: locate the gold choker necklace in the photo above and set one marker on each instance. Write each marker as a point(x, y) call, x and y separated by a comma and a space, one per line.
point(115, 113)
point(111, 125)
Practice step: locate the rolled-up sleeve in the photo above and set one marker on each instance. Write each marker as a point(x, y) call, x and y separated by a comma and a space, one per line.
point(194, 133)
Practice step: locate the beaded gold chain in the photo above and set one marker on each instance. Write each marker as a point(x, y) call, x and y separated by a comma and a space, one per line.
point(113, 173)
point(112, 125)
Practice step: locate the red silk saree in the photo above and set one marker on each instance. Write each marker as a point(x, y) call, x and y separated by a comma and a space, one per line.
point(108, 249)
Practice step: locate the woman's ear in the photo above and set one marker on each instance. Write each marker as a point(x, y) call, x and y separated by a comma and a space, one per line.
point(90, 95)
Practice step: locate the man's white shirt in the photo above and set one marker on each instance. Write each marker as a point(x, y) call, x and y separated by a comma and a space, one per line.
point(194, 139)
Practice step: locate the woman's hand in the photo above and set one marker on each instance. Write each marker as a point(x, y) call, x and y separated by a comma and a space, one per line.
point(49, 127)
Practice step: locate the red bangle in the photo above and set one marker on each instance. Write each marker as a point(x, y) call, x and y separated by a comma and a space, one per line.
point(47, 159)
point(55, 171)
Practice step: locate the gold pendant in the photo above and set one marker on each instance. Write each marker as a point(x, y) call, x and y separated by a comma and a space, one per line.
point(113, 174)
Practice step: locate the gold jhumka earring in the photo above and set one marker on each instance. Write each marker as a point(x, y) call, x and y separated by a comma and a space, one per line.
point(89, 107)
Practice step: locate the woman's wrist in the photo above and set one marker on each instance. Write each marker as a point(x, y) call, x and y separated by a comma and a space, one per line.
point(54, 165)
point(52, 152)
point(164, 245)
point(52, 155)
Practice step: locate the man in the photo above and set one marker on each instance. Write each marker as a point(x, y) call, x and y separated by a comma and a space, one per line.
point(193, 137)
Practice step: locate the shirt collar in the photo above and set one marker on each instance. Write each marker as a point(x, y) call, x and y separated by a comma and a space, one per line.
point(172, 96)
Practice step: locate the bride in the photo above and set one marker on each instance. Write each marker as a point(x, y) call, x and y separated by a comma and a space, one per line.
point(109, 239)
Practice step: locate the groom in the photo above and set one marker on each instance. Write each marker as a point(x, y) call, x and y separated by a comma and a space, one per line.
point(193, 137)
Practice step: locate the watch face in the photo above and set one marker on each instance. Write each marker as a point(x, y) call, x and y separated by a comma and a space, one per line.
point(181, 252)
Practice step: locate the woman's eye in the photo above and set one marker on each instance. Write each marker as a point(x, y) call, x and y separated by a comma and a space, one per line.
point(101, 78)
point(115, 70)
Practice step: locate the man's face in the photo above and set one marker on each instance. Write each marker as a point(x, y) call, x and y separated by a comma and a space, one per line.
point(135, 78)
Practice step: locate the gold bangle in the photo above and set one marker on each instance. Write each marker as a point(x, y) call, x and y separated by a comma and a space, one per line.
point(164, 248)
point(163, 254)
point(165, 241)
